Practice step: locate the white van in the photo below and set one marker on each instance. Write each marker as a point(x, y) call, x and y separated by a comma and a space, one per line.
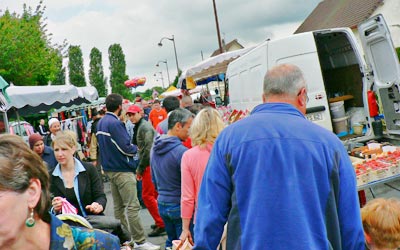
point(335, 70)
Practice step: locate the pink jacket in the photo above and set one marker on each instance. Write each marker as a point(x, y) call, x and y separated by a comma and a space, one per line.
point(193, 164)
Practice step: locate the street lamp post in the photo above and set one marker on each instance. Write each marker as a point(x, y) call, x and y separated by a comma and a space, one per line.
point(176, 57)
point(166, 64)
point(162, 78)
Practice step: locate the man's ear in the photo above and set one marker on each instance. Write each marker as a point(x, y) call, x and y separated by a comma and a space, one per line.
point(178, 125)
point(264, 98)
point(302, 97)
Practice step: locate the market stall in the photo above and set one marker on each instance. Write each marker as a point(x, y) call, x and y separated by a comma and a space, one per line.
point(95, 104)
point(211, 68)
point(3, 106)
point(25, 100)
point(172, 91)
point(376, 164)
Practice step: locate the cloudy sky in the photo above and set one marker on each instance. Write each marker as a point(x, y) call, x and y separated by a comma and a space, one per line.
point(138, 26)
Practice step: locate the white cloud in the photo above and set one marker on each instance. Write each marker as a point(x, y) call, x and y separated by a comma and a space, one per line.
point(139, 25)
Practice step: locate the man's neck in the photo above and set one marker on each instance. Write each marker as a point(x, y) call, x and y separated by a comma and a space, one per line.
point(172, 133)
point(138, 121)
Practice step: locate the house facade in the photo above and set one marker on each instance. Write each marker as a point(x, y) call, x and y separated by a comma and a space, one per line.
point(349, 13)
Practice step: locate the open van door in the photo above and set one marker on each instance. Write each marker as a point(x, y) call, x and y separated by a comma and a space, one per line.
point(383, 64)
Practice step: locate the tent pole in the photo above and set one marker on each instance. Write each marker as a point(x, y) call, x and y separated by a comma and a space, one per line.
point(226, 93)
point(18, 122)
point(219, 87)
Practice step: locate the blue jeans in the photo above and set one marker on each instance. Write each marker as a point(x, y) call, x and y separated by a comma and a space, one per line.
point(171, 215)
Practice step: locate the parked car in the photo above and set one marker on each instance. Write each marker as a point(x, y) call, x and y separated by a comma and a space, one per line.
point(22, 128)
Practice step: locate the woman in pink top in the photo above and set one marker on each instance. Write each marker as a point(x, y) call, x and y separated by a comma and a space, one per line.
point(204, 130)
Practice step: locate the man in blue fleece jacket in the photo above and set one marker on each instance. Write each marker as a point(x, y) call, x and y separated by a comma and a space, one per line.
point(165, 162)
point(117, 153)
point(279, 180)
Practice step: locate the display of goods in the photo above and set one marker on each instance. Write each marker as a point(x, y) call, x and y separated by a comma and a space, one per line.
point(382, 166)
point(237, 115)
point(367, 152)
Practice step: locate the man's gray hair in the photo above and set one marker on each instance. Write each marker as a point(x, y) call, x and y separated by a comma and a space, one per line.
point(284, 79)
point(179, 115)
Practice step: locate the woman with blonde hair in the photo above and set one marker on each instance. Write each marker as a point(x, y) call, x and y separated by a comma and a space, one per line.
point(204, 130)
point(80, 184)
point(25, 221)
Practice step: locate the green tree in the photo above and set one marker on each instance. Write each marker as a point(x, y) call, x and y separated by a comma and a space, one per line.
point(118, 71)
point(175, 82)
point(60, 78)
point(27, 56)
point(148, 93)
point(96, 74)
point(60, 74)
point(75, 64)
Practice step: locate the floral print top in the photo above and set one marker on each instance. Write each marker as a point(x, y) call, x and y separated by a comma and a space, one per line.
point(68, 237)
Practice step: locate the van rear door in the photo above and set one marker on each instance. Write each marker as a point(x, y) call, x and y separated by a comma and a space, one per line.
point(383, 65)
point(301, 50)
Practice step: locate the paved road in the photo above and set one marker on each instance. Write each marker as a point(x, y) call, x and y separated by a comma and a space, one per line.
point(385, 191)
point(147, 220)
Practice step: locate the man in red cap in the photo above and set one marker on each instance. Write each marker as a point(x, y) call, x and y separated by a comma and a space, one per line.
point(37, 145)
point(143, 137)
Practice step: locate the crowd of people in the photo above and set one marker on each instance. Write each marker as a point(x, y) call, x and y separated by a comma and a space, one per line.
point(273, 180)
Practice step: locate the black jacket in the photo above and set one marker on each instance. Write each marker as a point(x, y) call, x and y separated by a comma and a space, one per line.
point(91, 187)
point(47, 140)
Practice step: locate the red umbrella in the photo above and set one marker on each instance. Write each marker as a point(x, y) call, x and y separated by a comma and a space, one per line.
point(135, 82)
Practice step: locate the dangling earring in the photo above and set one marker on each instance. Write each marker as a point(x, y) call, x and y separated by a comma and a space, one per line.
point(30, 221)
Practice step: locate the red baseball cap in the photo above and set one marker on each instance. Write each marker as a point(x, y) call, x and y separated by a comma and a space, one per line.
point(133, 109)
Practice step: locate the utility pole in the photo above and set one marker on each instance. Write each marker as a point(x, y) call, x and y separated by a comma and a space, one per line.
point(217, 25)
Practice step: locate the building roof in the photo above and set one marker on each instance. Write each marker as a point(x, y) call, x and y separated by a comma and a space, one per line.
point(228, 47)
point(339, 13)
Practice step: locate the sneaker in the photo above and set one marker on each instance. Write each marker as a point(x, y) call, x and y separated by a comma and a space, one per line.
point(168, 248)
point(156, 232)
point(153, 226)
point(146, 246)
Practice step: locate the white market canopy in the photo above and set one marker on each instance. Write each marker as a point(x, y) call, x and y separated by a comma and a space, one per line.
point(178, 92)
point(96, 103)
point(212, 66)
point(26, 100)
point(88, 92)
